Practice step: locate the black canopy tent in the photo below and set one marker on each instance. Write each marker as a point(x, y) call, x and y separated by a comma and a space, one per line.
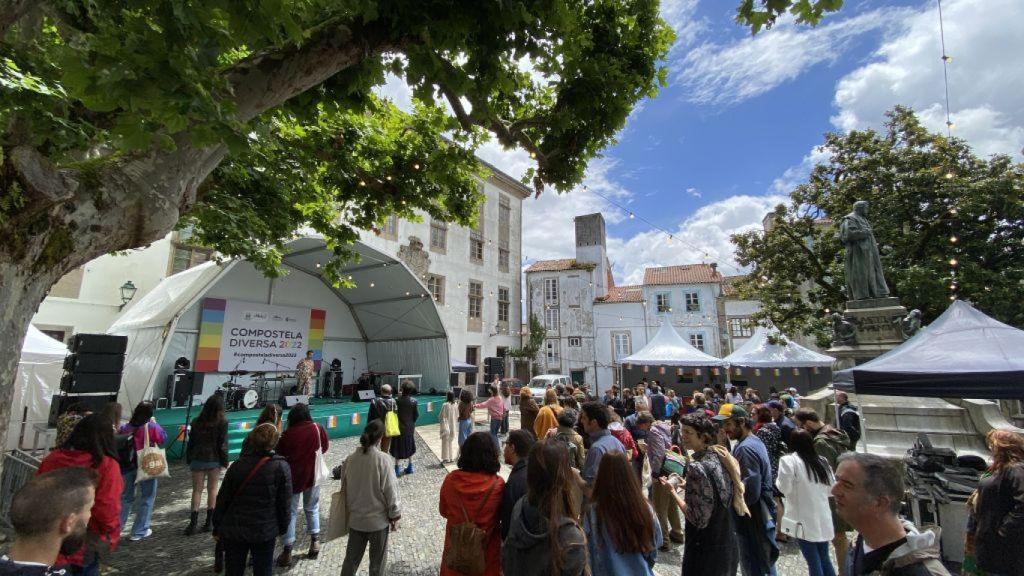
point(962, 354)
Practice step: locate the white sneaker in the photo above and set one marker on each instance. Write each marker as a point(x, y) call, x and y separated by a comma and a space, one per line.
point(135, 538)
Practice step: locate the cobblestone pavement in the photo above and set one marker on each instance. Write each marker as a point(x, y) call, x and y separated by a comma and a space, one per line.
point(414, 550)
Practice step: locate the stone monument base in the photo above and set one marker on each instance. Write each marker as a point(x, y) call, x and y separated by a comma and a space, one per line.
point(878, 331)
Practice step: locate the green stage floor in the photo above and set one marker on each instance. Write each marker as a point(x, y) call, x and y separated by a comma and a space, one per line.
point(344, 418)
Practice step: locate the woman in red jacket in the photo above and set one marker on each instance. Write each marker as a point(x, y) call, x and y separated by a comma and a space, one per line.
point(474, 490)
point(299, 445)
point(91, 445)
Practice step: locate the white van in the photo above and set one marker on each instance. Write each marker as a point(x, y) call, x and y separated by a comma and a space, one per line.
point(541, 383)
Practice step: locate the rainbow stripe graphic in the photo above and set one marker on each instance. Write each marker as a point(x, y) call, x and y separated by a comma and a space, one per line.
point(210, 326)
point(356, 418)
point(430, 406)
point(332, 421)
point(315, 338)
point(245, 425)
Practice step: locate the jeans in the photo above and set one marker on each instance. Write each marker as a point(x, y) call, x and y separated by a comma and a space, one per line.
point(236, 553)
point(311, 504)
point(495, 427)
point(147, 491)
point(750, 565)
point(818, 557)
point(504, 423)
point(465, 429)
point(357, 541)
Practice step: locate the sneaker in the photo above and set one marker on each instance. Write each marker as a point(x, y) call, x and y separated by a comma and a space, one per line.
point(408, 469)
point(136, 537)
point(398, 470)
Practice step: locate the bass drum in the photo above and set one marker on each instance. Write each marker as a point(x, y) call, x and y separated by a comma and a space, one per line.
point(242, 399)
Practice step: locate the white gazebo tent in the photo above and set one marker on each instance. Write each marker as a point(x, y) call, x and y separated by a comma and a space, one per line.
point(769, 356)
point(39, 372)
point(668, 349)
point(388, 321)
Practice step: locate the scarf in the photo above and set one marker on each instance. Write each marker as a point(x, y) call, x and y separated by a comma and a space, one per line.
point(733, 468)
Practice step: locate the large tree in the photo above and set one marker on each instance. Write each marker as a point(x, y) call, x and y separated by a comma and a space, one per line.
point(247, 120)
point(932, 202)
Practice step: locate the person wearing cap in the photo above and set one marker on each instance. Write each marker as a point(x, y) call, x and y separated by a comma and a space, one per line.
point(756, 532)
point(779, 416)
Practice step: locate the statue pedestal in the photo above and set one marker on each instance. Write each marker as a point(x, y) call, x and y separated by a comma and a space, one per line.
point(878, 331)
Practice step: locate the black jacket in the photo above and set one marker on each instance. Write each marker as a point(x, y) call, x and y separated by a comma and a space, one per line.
point(208, 444)
point(379, 407)
point(260, 510)
point(408, 414)
point(999, 512)
point(527, 550)
point(515, 488)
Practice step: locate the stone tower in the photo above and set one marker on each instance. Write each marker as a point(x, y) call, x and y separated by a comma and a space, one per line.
point(590, 249)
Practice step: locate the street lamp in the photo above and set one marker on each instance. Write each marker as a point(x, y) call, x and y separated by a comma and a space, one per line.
point(128, 291)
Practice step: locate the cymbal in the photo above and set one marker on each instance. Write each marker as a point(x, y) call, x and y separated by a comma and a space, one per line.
point(259, 374)
point(238, 373)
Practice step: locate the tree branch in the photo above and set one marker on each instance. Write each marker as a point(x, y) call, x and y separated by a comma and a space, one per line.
point(812, 258)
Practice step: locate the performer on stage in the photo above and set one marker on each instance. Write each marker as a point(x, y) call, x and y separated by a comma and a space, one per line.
point(305, 376)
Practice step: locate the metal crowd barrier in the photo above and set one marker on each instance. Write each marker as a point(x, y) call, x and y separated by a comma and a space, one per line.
point(18, 467)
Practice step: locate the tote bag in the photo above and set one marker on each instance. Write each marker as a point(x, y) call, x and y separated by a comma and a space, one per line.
point(337, 525)
point(152, 460)
point(321, 472)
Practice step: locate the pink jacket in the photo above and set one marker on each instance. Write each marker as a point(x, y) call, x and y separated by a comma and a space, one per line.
point(495, 407)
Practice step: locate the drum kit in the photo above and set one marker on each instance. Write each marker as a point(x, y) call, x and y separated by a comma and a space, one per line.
point(239, 397)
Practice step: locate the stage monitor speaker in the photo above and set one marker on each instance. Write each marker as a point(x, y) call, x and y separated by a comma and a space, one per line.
point(366, 395)
point(93, 403)
point(99, 344)
point(290, 401)
point(76, 383)
point(83, 362)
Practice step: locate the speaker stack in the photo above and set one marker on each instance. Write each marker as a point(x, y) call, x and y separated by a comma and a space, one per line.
point(92, 373)
point(493, 367)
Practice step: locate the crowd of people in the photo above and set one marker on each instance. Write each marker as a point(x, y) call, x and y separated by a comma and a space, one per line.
point(595, 487)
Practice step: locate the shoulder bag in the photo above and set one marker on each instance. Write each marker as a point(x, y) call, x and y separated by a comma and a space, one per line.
point(337, 523)
point(321, 472)
point(152, 460)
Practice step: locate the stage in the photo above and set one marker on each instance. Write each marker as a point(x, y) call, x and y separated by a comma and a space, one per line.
point(340, 418)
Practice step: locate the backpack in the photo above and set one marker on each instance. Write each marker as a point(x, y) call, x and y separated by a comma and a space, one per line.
point(570, 446)
point(467, 551)
point(126, 455)
point(849, 422)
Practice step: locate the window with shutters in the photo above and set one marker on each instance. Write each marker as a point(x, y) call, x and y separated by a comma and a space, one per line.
point(693, 301)
point(435, 284)
point(575, 341)
point(551, 350)
point(476, 299)
point(551, 290)
point(186, 253)
point(697, 341)
point(740, 327)
point(503, 259)
point(476, 250)
point(621, 344)
point(503, 306)
point(390, 228)
point(438, 236)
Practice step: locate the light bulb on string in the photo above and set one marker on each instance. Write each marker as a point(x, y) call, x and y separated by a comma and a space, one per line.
point(415, 166)
point(949, 175)
point(951, 124)
point(953, 239)
point(947, 58)
point(631, 215)
point(952, 262)
point(362, 182)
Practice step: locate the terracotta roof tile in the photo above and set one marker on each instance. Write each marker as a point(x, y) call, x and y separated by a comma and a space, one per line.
point(557, 265)
point(729, 284)
point(623, 294)
point(685, 274)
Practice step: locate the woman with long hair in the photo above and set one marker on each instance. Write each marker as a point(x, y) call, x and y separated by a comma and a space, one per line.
point(404, 446)
point(547, 417)
point(254, 505)
point(448, 420)
point(544, 536)
point(805, 479)
point(528, 410)
point(999, 507)
point(299, 444)
point(473, 493)
point(141, 420)
point(271, 413)
point(623, 535)
point(710, 501)
point(465, 416)
point(207, 455)
point(371, 493)
point(90, 444)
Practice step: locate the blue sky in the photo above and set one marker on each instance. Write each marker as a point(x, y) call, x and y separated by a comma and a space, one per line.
point(740, 120)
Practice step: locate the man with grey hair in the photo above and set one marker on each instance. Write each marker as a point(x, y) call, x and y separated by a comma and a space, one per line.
point(379, 407)
point(869, 494)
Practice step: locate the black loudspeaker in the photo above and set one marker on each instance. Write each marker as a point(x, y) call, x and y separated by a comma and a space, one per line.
point(60, 404)
point(180, 383)
point(85, 383)
point(99, 344)
point(494, 367)
point(94, 363)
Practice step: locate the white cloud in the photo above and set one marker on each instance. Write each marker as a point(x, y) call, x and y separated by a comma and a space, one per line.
point(702, 237)
point(681, 15)
point(693, 192)
point(723, 74)
point(985, 76)
point(796, 175)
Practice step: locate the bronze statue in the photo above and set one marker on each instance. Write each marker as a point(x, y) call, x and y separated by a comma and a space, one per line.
point(911, 324)
point(864, 277)
point(844, 332)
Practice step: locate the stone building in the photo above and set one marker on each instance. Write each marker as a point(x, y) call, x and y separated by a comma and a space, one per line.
point(591, 323)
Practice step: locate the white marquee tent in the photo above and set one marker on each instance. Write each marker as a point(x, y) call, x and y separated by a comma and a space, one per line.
point(387, 322)
point(39, 372)
point(668, 348)
point(759, 352)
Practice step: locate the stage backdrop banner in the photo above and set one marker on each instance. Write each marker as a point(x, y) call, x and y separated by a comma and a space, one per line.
point(238, 335)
